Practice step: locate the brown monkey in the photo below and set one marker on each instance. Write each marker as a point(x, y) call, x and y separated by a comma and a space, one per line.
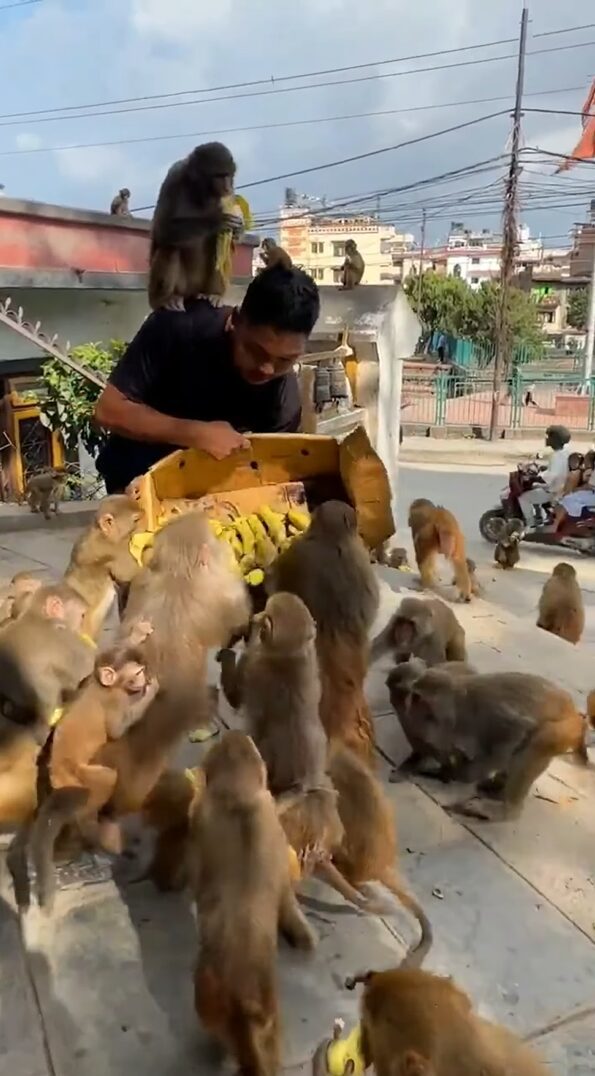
point(111, 701)
point(278, 687)
point(392, 558)
point(414, 1023)
point(101, 557)
point(241, 875)
point(506, 726)
point(21, 588)
point(43, 658)
point(400, 683)
point(368, 851)
point(272, 254)
point(329, 568)
point(120, 204)
point(561, 609)
point(476, 587)
point(45, 491)
point(190, 214)
point(506, 553)
point(353, 267)
point(422, 628)
point(435, 531)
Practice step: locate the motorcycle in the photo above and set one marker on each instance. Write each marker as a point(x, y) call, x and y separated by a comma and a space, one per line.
point(578, 534)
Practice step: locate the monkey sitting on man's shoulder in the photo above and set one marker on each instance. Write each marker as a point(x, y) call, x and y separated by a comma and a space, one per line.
point(414, 1023)
point(192, 211)
point(241, 874)
point(561, 608)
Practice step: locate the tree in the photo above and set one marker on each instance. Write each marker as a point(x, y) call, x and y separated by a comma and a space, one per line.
point(578, 308)
point(523, 321)
point(445, 303)
point(70, 399)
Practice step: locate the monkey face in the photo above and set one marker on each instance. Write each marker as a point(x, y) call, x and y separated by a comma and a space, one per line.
point(286, 624)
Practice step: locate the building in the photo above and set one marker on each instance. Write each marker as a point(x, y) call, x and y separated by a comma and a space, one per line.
point(475, 256)
point(315, 240)
point(583, 253)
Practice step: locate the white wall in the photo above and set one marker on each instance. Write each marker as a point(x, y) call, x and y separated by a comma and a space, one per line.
point(77, 316)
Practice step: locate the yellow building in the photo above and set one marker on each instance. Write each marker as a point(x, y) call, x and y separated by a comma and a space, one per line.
point(317, 243)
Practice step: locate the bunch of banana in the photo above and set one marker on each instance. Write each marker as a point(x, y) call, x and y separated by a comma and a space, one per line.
point(256, 539)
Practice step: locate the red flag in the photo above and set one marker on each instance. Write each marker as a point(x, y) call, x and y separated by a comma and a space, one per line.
point(585, 148)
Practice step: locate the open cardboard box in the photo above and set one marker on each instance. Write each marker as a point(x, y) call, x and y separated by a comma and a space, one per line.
point(281, 470)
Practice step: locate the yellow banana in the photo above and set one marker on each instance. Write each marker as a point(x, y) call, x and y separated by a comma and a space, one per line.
point(256, 526)
point(274, 522)
point(265, 551)
point(300, 520)
point(255, 577)
point(245, 534)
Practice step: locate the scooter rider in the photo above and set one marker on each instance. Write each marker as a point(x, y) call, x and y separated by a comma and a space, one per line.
point(553, 478)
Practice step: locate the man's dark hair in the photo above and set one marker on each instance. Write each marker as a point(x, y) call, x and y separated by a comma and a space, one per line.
point(284, 299)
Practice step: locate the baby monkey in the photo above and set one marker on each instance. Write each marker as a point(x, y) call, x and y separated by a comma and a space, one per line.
point(71, 786)
point(44, 491)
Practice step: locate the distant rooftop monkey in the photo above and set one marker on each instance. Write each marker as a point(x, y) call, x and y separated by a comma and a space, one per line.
point(353, 267)
point(272, 254)
point(119, 206)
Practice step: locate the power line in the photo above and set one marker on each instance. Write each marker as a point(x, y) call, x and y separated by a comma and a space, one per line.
point(13, 119)
point(23, 3)
point(295, 123)
point(567, 30)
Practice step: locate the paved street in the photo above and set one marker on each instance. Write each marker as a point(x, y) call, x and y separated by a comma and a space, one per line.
point(105, 987)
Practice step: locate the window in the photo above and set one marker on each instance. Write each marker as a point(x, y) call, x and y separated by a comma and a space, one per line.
point(317, 248)
point(338, 250)
point(337, 276)
point(475, 280)
point(318, 274)
point(457, 270)
point(475, 261)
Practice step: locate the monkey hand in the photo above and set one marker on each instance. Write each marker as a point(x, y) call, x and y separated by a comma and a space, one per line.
point(218, 439)
point(140, 631)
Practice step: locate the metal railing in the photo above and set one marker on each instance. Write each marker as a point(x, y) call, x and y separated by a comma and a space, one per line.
point(450, 399)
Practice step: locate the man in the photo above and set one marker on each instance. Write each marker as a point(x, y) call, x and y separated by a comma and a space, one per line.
point(553, 478)
point(205, 378)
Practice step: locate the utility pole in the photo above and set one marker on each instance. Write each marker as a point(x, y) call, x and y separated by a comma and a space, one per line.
point(509, 236)
point(590, 342)
point(421, 261)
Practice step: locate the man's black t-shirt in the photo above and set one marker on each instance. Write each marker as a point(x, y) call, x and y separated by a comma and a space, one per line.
point(181, 364)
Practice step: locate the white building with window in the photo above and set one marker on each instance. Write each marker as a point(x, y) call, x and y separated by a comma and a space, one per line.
point(315, 240)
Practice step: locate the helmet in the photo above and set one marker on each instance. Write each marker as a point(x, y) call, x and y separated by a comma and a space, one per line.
point(557, 436)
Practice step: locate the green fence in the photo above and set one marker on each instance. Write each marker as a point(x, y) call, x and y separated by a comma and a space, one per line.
point(530, 403)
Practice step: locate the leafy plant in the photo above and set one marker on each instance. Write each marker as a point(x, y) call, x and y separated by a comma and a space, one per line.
point(70, 399)
point(578, 303)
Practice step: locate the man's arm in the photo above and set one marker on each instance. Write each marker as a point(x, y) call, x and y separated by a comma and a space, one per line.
point(121, 408)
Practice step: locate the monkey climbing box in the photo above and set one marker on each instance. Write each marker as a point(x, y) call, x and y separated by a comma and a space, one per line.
point(281, 471)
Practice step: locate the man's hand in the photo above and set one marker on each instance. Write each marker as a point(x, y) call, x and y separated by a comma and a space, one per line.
point(219, 439)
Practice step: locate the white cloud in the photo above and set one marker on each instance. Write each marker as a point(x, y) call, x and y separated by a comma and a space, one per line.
point(28, 140)
point(89, 165)
point(179, 20)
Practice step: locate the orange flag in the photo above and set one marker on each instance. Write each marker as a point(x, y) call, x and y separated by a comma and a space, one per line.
point(585, 148)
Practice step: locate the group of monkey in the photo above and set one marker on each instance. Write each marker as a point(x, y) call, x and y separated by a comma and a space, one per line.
point(194, 208)
point(86, 736)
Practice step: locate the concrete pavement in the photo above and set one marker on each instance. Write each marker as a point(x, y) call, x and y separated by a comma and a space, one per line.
point(105, 986)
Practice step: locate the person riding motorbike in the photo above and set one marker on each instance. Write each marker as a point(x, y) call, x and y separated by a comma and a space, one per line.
point(553, 478)
point(573, 503)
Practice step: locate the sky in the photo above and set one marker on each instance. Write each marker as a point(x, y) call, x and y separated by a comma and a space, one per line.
point(58, 54)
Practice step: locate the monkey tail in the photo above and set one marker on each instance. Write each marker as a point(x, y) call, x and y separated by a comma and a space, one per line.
point(58, 809)
point(256, 1034)
point(416, 955)
point(329, 873)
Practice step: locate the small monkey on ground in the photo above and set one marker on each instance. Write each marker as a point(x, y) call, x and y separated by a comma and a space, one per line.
point(241, 876)
point(277, 685)
point(507, 727)
point(272, 254)
point(45, 491)
point(422, 628)
point(561, 609)
point(506, 553)
point(435, 531)
point(400, 683)
point(354, 266)
point(44, 657)
point(101, 557)
point(194, 207)
point(120, 204)
point(414, 1023)
point(111, 701)
point(329, 568)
